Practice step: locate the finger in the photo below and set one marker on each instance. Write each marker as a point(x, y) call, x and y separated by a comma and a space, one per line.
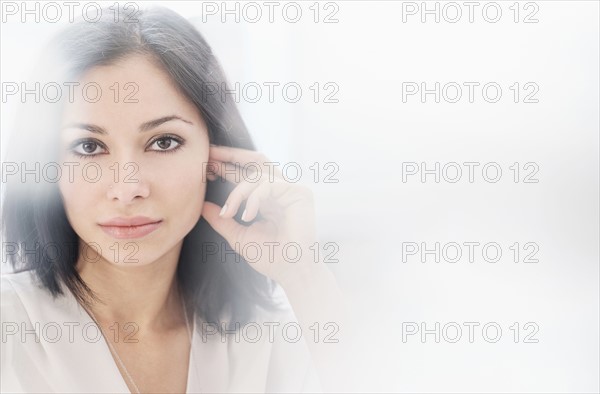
point(241, 192)
point(211, 177)
point(227, 227)
point(243, 157)
point(251, 172)
point(260, 194)
point(235, 155)
point(233, 173)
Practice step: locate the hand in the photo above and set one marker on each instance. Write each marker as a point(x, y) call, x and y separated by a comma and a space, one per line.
point(287, 215)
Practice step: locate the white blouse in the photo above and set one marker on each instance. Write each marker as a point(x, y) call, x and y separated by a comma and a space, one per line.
point(52, 345)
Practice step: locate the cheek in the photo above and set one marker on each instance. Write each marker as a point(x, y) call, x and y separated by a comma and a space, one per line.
point(185, 188)
point(77, 195)
point(79, 199)
point(73, 193)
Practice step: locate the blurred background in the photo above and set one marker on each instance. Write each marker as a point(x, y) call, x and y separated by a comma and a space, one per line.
point(524, 320)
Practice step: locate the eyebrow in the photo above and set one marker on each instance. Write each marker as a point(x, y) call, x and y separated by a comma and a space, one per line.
point(152, 124)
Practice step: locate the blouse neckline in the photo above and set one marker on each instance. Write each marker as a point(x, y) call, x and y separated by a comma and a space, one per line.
point(84, 315)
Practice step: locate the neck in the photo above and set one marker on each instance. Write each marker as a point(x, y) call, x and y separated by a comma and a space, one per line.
point(145, 294)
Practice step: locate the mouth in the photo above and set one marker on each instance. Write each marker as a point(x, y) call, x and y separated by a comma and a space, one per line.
point(123, 228)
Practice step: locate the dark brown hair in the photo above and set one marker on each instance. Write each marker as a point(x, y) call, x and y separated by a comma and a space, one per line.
point(33, 212)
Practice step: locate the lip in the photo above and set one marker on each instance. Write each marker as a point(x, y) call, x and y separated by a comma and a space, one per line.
point(130, 228)
point(131, 221)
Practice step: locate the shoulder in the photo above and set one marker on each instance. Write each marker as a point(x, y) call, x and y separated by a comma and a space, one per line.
point(270, 353)
point(20, 280)
point(14, 315)
point(291, 368)
point(14, 289)
point(24, 298)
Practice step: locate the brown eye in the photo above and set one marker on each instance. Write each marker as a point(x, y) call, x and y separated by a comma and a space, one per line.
point(89, 147)
point(166, 144)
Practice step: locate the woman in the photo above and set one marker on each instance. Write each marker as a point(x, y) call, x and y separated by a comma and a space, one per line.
point(144, 227)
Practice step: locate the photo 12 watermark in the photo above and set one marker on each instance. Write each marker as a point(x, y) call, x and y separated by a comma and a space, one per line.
point(470, 172)
point(469, 332)
point(470, 12)
point(114, 172)
point(470, 92)
point(469, 252)
point(67, 11)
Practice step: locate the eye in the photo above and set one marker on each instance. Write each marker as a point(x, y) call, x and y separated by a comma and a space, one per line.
point(167, 144)
point(86, 148)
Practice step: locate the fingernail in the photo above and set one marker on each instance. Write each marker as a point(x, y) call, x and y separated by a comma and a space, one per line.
point(223, 210)
point(244, 215)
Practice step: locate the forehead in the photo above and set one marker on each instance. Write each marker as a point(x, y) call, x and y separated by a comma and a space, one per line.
point(131, 90)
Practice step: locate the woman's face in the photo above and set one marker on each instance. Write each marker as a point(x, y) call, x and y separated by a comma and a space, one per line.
point(132, 159)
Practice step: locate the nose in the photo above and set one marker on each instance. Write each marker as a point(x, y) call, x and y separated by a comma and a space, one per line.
point(128, 190)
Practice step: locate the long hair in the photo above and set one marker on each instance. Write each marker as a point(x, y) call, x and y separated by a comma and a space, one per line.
point(35, 225)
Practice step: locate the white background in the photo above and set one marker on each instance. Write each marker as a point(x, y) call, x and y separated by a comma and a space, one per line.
point(370, 132)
